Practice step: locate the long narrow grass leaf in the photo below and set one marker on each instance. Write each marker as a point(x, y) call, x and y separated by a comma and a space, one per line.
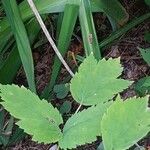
point(22, 40)
point(44, 7)
point(69, 20)
point(123, 30)
point(88, 29)
point(9, 69)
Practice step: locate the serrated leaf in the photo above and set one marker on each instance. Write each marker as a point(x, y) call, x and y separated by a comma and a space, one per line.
point(145, 54)
point(83, 127)
point(96, 82)
point(37, 117)
point(125, 123)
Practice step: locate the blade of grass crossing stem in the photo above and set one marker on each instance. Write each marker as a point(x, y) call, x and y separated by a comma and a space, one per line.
point(9, 69)
point(115, 35)
point(22, 40)
point(88, 30)
point(44, 7)
point(68, 23)
point(107, 41)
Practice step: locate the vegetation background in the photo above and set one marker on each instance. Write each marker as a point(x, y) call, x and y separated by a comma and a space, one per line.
point(27, 58)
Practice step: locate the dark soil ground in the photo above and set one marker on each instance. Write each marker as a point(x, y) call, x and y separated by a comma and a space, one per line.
point(126, 48)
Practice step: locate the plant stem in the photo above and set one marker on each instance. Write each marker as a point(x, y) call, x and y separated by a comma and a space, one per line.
point(47, 34)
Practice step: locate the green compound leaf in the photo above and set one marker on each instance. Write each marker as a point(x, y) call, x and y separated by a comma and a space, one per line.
point(37, 117)
point(125, 123)
point(83, 127)
point(96, 82)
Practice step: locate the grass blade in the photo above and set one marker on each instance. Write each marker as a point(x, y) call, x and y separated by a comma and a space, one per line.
point(44, 7)
point(59, 22)
point(88, 30)
point(123, 30)
point(23, 44)
point(69, 20)
point(9, 69)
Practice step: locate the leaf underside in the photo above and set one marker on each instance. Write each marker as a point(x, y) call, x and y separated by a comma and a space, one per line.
point(96, 82)
point(83, 127)
point(125, 123)
point(37, 117)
